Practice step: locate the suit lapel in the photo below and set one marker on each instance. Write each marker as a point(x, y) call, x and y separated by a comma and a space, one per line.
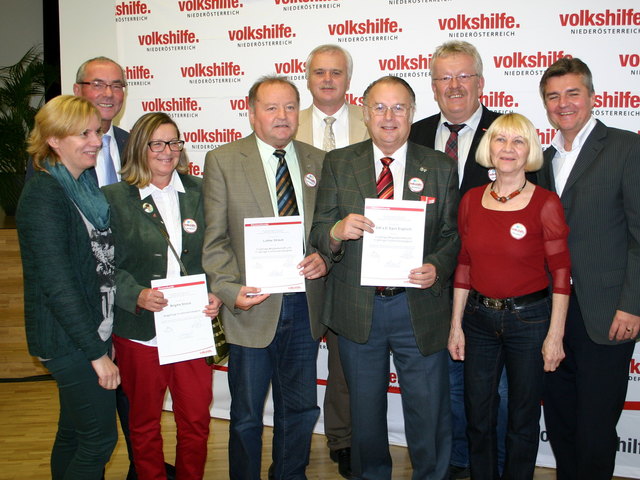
point(414, 170)
point(546, 177)
point(305, 126)
point(310, 177)
point(364, 172)
point(357, 129)
point(147, 208)
point(588, 154)
point(254, 172)
point(189, 204)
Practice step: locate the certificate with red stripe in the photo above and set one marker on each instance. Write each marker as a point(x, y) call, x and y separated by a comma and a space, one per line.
point(183, 330)
point(273, 248)
point(396, 245)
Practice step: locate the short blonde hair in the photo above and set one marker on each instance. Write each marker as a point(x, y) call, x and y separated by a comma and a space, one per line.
point(60, 117)
point(514, 124)
point(136, 170)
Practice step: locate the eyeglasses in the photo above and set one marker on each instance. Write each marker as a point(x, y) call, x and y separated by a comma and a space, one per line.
point(462, 78)
point(399, 109)
point(158, 146)
point(100, 86)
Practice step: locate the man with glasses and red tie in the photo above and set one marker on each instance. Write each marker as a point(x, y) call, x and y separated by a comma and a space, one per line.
point(413, 322)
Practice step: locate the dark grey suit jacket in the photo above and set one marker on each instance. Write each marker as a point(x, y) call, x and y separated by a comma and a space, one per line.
point(348, 177)
point(601, 202)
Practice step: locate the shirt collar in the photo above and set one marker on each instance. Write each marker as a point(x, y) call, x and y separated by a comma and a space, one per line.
point(175, 183)
point(399, 155)
point(266, 150)
point(472, 122)
point(558, 141)
point(320, 115)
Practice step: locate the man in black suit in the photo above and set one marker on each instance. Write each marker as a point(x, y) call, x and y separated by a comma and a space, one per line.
point(596, 171)
point(457, 84)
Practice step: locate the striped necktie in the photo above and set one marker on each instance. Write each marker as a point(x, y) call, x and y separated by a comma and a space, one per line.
point(384, 185)
point(287, 204)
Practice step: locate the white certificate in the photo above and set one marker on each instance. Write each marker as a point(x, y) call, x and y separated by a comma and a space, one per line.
point(396, 245)
point(183, 331)
point(273, 247)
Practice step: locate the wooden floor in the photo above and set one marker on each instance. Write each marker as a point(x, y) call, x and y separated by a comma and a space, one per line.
point(29, 412)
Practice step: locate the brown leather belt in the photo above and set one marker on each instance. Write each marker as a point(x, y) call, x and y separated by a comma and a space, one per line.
point(511, 303)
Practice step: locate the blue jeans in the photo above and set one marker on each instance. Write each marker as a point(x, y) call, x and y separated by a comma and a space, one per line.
point(495, 339)
point(288, 364)
point(460, 444)
point(87, 431)
point(425, 396)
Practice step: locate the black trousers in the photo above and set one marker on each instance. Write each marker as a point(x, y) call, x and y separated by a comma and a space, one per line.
point(583, 400)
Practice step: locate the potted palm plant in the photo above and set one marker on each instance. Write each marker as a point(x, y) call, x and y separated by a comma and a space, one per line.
point(22, 88)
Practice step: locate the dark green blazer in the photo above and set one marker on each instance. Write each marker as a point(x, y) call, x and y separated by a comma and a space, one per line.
point(62, 301)
point(348, 177)
point(141, 250)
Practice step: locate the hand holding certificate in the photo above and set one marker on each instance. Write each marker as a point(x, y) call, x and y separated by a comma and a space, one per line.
point(273, 250)
point(396, 245)
point(183, 330)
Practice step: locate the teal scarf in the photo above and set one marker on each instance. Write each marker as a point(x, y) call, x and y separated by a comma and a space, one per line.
point(84, 193)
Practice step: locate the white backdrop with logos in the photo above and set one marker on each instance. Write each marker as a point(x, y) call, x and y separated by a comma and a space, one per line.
point(196, 59)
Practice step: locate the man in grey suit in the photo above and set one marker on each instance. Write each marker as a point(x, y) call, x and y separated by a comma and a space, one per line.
point(273, 338)
point(371, 322)
point(329, 123)
point(596, 171)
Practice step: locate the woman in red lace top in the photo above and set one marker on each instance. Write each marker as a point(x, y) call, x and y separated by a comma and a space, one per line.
point(505, 313)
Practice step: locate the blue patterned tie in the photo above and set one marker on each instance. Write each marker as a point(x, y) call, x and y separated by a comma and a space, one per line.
point(287, 204)
point(109, 167)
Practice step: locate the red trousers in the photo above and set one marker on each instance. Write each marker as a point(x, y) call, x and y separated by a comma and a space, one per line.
point(145, 382)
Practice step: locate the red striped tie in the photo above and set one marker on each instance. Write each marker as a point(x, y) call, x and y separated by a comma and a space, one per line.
point(384, 185)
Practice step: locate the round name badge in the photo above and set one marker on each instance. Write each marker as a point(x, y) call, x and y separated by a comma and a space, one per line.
point(518, 231)
point(147, 207)
point(189, 225)
point(416, 185)
point(310, 180)
point(492, 174)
